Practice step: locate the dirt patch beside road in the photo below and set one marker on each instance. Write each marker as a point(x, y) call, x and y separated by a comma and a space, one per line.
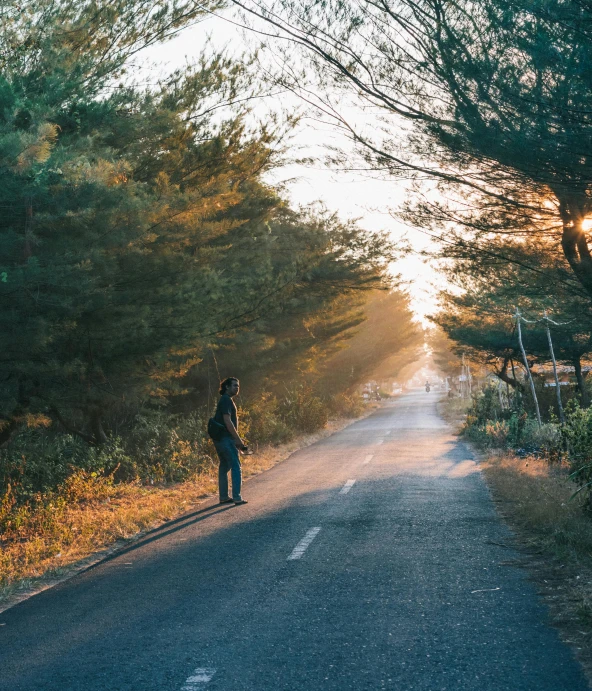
point(555, 537)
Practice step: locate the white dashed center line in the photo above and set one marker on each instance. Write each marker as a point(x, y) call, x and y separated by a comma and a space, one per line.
point(388, 432)
point(368, 458)
point(201, 676)
point(346, 488)
point(302, 546)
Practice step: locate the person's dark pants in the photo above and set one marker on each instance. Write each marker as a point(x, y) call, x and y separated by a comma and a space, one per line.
point(229, 461)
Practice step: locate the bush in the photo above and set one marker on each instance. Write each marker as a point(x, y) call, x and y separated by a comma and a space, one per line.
point(577, 434)
point(346, 405)
point(571, 441)
point(486, 406)
point(166, 448)
point(303, 410)
point(489, 434)
point(490, 426)
point(37, 461)
point(261, 422)
point(543, 441)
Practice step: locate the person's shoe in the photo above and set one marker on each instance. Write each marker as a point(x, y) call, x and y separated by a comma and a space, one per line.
point(240, 501)
point(226, 501)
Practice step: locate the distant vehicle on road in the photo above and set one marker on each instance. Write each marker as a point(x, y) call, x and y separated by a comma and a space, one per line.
point(427, 386)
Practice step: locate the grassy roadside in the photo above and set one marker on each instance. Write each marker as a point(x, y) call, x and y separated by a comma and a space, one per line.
point(552, 533)
point(68, 536)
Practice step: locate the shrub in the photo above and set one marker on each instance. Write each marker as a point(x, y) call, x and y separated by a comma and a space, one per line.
point(263, 423)
point(571, 441)
point(346, 405)
point(303, 410)
point(490, 434)
point(486, 406)
point(577, 434)
point(37, 461)
point(497, 432)
point(546, 440)
point(166, 448)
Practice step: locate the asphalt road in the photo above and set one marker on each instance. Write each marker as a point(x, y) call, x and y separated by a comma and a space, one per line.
point(370, 560)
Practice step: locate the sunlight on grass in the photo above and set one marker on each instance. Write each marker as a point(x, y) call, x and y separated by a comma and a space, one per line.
point(94, 513)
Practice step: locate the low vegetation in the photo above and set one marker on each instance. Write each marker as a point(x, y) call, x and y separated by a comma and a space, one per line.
point(530, 472)
point(64, 500)
point(568, 446)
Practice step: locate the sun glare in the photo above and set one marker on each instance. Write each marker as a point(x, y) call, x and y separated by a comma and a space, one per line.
point(587, 224)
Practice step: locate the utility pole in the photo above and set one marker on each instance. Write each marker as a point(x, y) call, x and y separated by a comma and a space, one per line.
point(464, 380)
point(559, 405)
point(532, 389)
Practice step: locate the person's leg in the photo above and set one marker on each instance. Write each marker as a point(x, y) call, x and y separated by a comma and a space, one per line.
point(235, 472)
point(223, 468)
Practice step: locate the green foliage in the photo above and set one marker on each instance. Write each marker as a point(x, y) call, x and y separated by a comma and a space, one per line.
point(142, 252)
point(350, 405)
point(139, 234)
point(489, 427)
point(304, 410)
point(37, 461)
point(577, 436)
point(261, 422)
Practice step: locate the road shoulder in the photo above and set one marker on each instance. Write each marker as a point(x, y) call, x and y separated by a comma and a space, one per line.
point(142, 510)
point(551, 534)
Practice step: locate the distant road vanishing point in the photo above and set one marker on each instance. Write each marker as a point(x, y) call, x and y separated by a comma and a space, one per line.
point(366, 561)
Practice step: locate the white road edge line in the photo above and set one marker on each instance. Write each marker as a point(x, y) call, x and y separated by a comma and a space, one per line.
point(379, 442)
point(346, 488)
point(302, 546)
point(388, 432)
point(200, 676)
point(368, 458)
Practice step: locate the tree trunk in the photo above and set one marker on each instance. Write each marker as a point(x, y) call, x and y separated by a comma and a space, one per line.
point(574, 242)
point(585, 399)
point(98, 432)
point(505, 377)
point(70, 428)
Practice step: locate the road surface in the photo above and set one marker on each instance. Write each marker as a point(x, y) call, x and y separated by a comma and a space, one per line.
point(373, 559)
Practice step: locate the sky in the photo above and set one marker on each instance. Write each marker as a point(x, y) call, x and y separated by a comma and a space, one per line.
point(351, 195)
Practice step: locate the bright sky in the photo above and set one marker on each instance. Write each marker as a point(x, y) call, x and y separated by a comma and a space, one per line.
point(351, 195)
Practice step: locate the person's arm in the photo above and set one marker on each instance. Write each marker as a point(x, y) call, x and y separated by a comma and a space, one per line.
point(231, 428)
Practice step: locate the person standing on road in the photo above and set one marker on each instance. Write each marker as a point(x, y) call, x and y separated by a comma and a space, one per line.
point(229, 444)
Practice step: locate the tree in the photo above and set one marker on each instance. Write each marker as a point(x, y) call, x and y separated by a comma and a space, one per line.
point(329, 271)
point(138, 229)
point(380, 347)
point(486, 102)
point(480, 317)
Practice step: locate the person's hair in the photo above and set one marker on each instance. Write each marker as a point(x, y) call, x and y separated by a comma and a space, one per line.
point(225, 383)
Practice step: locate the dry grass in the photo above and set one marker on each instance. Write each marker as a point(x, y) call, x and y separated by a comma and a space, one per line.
point(94, 515)
point(555, 536)
point(553, 533)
